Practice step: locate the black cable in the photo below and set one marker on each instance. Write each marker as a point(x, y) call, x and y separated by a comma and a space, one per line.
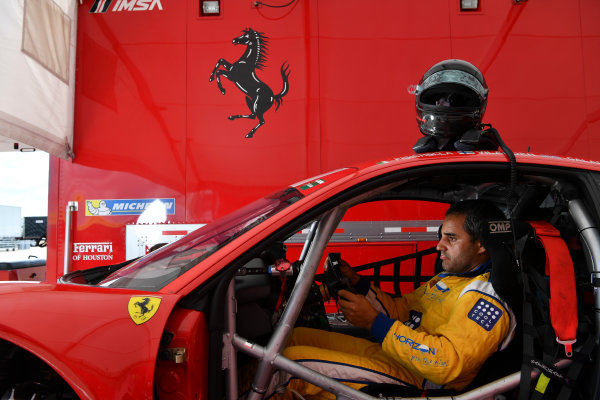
point(511, 157)
point(260, 3)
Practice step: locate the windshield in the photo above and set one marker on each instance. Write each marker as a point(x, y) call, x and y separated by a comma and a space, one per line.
point(156, 270)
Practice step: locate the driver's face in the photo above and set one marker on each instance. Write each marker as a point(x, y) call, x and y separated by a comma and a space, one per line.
point(458, 252)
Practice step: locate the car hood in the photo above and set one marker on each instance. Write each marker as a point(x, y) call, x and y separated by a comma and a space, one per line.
point(88, 334)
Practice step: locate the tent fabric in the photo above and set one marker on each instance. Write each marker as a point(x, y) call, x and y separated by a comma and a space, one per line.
point(51, 51)
point(37, 64)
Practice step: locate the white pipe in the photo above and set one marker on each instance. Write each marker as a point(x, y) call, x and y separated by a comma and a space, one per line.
point(71, 207)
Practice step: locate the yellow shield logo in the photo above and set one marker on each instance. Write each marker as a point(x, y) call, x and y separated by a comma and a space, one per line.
point(142, 308)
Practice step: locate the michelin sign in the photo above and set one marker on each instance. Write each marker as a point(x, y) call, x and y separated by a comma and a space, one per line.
point(108, 207)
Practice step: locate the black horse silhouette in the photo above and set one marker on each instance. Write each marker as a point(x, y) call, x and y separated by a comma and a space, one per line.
point(142, 305)
point(259, 96)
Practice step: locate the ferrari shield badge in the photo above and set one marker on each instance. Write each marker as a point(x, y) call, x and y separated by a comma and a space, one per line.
point(142, 308)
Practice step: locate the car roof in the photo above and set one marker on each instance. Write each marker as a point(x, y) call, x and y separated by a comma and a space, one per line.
point(488, 156)
point(460, 161)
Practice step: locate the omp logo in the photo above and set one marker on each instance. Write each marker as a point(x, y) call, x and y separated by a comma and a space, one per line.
point(499, 227)
point(102, 6)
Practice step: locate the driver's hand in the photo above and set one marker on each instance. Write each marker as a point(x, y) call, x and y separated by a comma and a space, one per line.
point(348, 272)
point(357, 309)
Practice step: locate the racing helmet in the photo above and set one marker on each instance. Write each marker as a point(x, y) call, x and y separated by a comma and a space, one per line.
point(450, 99)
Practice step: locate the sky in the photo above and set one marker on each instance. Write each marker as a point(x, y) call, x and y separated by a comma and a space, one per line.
point(24, 182)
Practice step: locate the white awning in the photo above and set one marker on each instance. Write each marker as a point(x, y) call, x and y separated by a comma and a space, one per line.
point(37, 75)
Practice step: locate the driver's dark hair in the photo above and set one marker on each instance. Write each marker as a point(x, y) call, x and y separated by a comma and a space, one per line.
point(476, 212)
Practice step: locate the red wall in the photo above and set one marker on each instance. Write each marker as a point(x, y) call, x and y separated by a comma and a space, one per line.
point(149, 124)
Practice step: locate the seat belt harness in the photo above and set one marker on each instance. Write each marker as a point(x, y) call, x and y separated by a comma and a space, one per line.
point(563, 297)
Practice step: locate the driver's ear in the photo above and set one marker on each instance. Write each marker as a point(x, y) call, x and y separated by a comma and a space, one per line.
point(481, 249)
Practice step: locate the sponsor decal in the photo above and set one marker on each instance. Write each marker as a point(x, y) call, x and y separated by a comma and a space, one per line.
point(125, 206)
point(312, 184)
point(142, 308)
point(430, 362)
point(93, 251)
point(499, 227)
point(553, 372)
point(436, 291)
point(102, 6)
point(441, 286)
point(434, 296)
point(485, 314)
point(414, 345)
point(434, 154)
point(414, 319)
point(259, 96)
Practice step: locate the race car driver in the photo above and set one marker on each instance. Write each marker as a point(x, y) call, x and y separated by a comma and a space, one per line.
point(438, 336)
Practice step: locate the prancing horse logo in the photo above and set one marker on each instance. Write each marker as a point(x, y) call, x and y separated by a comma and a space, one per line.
point(259, 96)
point(141, 309)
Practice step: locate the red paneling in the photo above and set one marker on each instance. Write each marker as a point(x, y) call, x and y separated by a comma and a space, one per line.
point(149, 124)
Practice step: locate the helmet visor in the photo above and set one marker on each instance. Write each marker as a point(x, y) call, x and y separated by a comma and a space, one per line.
point(451, 98)
point(455, 77)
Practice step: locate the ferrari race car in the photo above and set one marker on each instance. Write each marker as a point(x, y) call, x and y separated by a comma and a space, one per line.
point(207, 317)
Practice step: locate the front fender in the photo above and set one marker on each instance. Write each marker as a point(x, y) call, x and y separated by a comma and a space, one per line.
point(87, 335)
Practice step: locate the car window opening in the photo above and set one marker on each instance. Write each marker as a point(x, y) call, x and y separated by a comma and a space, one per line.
point(312, 245)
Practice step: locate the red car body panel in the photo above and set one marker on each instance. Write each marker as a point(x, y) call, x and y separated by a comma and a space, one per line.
point(87, 335)
point(185, 380)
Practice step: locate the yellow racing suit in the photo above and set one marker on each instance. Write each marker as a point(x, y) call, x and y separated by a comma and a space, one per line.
point(437, 336)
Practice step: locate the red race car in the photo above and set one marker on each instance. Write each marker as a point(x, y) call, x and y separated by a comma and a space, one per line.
point(208, 316)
